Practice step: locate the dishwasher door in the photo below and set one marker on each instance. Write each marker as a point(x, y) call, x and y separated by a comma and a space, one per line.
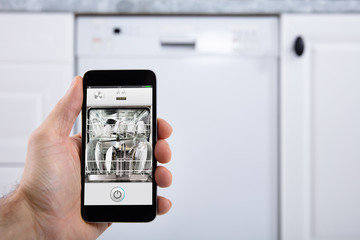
point(217, 85)
point(224, 146)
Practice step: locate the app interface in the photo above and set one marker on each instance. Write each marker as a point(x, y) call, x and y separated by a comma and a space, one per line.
point(118, 155)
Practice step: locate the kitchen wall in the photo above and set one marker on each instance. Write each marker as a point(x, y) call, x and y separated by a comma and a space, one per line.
point(183, 6)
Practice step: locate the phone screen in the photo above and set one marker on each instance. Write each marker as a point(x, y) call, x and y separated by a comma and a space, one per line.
point(119, 145)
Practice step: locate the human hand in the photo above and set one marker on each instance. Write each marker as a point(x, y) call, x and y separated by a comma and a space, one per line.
point(47, 202)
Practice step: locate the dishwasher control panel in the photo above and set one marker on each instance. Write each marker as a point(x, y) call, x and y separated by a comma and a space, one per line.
point(170, 35)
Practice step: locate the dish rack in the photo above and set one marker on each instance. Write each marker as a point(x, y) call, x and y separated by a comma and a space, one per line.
point(121, 170)
point(113, 131)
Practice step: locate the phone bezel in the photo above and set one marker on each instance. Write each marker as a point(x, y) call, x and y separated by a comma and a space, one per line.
point(119, 213)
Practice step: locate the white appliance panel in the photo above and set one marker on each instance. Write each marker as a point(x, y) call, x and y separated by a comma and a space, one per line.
point(217, 86)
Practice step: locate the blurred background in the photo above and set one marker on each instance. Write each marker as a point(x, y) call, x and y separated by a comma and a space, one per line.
point(263, 95)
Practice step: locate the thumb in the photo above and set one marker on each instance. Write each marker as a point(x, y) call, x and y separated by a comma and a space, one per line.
point(61, 119)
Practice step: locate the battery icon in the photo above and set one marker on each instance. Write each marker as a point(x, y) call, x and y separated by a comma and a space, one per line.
point(148, 86)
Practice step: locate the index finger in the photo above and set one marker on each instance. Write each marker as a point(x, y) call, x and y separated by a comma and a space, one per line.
point(164, 129)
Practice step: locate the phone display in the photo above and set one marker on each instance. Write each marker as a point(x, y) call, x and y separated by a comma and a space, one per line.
point(119, 133)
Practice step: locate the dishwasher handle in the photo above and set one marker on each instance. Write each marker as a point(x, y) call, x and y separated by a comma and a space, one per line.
point(178, 43)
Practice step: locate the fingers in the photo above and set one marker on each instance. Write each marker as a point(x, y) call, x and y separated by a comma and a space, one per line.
point(61, 120)
point(163, 177)
point(164, 205)
point(164, 129)
point(162, 151)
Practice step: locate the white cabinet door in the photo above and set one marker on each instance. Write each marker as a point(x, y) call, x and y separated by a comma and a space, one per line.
point(34, 38)
point(320, 128)
point(36, 68)
point(28, 92)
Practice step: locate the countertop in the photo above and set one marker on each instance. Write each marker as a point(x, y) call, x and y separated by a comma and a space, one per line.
point(182, 6)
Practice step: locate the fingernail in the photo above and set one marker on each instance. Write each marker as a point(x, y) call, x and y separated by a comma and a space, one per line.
point(171, 128)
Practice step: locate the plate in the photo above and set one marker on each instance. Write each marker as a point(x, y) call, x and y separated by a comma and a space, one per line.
point(109, 158)
point(90, 161)
point(98, 157)
point(97, 128)
point(141, 155)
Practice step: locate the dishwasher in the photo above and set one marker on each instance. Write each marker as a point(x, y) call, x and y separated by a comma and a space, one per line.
point(218, 87)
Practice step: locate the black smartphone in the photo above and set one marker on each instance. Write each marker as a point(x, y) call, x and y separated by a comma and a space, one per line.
point(118, 139)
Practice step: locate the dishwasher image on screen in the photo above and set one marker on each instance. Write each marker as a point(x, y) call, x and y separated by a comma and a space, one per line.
point(119, 147)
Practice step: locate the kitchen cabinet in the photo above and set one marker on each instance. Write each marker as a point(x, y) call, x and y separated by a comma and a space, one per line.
point(319, 117)
point(320, 130)
point(36, 68)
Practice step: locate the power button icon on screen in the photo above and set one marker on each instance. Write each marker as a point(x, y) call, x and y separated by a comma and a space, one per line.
point(117, 194)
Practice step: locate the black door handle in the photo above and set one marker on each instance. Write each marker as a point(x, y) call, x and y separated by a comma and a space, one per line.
point(299, 46)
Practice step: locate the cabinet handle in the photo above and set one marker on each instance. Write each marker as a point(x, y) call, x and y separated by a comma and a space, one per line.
point(299, 46)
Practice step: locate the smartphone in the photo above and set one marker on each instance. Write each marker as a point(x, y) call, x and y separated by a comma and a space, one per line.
point(118, 140)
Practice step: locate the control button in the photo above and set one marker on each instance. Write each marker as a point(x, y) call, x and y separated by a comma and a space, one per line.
point(98, 95)
point(117, 30)
point(117, 194)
